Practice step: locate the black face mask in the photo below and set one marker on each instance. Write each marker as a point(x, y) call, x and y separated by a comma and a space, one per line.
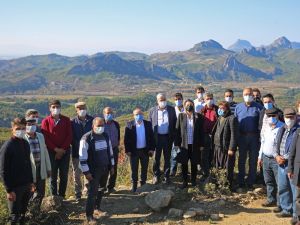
point(189, 108)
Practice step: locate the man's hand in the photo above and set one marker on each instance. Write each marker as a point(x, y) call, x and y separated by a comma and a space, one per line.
point(128, 154)
point(230, 152)
point(259, 162)
point(150, 153)
point(280, 160)
point(59, 153)
point(112, 171)
point(89, 177)
point(11, 196)
point(32, 188)
point(290, 175)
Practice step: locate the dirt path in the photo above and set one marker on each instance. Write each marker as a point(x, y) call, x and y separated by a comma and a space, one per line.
point(123, 207)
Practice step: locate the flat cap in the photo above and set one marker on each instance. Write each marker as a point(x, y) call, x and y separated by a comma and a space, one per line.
point(272, 112)
point(30, 120)
point(289, 112)
point(80, 104)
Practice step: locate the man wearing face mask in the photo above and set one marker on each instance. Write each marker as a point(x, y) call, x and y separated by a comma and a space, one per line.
point(210, 114)
point(139, 146)
point(257, 96)
point(163, 119)
point(228, 96)
point(16, 172)
point(57, 131)
point(178, 99)
point(40, 161)
point(247, 114)
point(286, 188)
point(81, 124)
point(96, 159)
point(189, 137)
point(34, 114)
point(224, 138)
point(199, 101)
point(267, 155)
point(112, 129)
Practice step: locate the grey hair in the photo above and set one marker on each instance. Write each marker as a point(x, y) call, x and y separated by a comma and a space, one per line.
point(98, 119)
point(159, 95)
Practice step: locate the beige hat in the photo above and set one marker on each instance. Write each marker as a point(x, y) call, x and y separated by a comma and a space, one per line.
point(79, 104)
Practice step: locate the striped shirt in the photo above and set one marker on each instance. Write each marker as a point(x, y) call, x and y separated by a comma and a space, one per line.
point(190, 130)
point(35, 149)
point(282, 144)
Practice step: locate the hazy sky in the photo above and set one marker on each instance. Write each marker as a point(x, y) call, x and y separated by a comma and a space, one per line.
point(73, 27)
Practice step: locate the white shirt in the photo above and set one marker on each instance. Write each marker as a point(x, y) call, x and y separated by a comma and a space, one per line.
point(199, 105)
point(140, 135)
point(265, 125)
point(163, 121)
point(190, 129)
point(177, 110)
point(269, 141)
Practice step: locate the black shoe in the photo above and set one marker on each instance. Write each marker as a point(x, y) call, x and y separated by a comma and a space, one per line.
point(167, 181)
point(155, 180)
point(184, 185)
point(269, 204)
point(283, 215)
point(172, 174)
point(277, 210)
point(142, 183)
point(193, 183)
point(294, 221)
point(203, 178)
point(133, 188)
point(111, 190)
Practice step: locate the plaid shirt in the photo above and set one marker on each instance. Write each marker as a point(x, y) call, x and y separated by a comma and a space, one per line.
point(282, 144)
point(35, 149)
point(190, 130)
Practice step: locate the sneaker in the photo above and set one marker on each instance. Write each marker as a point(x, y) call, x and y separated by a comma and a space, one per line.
point(277, 209)
point(283, 215)
point(155, 180)
point(269, 204)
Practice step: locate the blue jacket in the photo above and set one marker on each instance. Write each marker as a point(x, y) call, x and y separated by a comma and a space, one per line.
point(78, 131)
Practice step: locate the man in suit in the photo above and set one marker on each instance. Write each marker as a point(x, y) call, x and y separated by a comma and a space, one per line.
point(163, 119)
point(139, 145)
point(188, 137)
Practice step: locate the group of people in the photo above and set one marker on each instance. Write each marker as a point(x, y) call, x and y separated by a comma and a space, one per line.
point(205, 133)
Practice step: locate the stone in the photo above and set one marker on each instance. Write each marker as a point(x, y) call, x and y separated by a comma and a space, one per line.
point(51, 203)
point(135, 210)
point(214, 217)
point(199, 211)
point(221, 202)
point(189, 214)
point(221, 215)
point(159, 199)
point(258, 191)
point(175, 213)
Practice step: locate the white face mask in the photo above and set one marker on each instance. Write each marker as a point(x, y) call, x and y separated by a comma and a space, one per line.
point(36, 120)
point(30, 129)
point(248, 98)
point(289, 122)
point(162, 104)
point(200, 95)
point(55, 111)
point(82, 113)
point(99, 130)
point(20, 134)
point(228, 99)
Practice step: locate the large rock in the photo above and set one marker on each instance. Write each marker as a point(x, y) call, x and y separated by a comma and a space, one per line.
point(159, 199)
point(175, 213)
point(51, 203)
point(189, 214)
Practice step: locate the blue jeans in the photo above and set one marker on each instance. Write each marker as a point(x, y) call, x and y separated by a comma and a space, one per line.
point(270, 170)
point(248, 144)
point(287, 191)
point(173, 161)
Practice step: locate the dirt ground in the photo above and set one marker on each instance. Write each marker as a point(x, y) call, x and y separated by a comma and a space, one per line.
point(123, 207)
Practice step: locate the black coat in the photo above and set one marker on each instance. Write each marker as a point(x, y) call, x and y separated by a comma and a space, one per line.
point(153, 113)
point(130, 137)
point(181, 139)
point(229, 132)
point(294, 158)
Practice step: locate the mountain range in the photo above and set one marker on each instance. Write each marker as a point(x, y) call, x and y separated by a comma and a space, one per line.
point(206, 61)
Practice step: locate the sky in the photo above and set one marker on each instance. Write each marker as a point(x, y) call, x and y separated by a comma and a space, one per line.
point(75, 27)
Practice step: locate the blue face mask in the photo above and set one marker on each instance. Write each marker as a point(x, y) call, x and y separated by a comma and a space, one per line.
point(268, 105)
point(178, 103)
point(138, 117)
point(272, 120)
point(108, 117)
point(220, 112)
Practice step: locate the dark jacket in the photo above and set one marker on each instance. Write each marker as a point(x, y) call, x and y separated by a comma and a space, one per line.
point(130, 137)
point(153, 113)
point(229, 132)
point(118, 128)
point(289, 139)
point(294, 158)
point(78, 131)
point(181, 138)
point(15, 164)
point(262, 114)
